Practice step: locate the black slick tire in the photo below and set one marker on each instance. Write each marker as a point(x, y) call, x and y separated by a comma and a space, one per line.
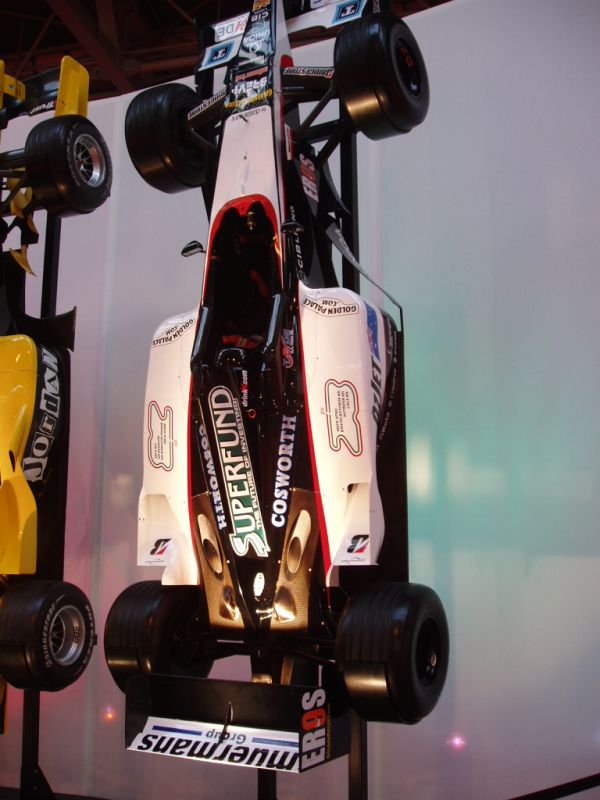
point(392, 650)
point(153, 628)
point(157, 141)
point(68, 166)
point(47, 634)
point(381, 75)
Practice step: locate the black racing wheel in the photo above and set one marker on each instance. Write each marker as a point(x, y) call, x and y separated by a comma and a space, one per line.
point(156, 628)
point(157, 140)
point(392, 650)
point(381, 76)
point(67, 165)
point(47, 634)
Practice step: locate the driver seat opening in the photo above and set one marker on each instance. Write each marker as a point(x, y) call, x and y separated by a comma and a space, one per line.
point(243, 276)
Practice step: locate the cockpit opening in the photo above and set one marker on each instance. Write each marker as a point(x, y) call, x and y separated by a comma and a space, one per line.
point(243, 276)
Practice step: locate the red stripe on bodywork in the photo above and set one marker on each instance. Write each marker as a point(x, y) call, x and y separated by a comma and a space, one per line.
point(189, 482)
point(313, 464)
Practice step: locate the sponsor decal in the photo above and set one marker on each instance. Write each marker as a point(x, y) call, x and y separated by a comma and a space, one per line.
point(211, 479)
point(245, 115)
point(344, 12)
point(258, 16)
point(377, 387)
point(246, 101)
point(296, 241)
point(173, 333)
point(341, 410)
point(159, 548)
point(392, 356)
point(310, 72)
point(248, 92)
point(258, 4)
point(210, 101)
point(230, 28)
point(316, 736)
point(257, 40)
point(253, 73)
point(220, 53)
point(240, 487)
point(244, 388)
point(358, 544)
point(308, 174)
point(372, 330)
point(287, 347)
point(35, 461)
point(233, 744)
point(160, 436)
point(49, 105)
point(285, 461)
point(329, 306)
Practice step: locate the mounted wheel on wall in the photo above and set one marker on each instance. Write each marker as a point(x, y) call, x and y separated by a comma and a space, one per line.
point(392, 649)
point(158, 142)
point(47, 634)
point(68, 165)
point(381, 76)
point(156, 628)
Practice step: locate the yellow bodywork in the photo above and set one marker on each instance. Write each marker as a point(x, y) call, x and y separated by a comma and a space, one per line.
point(18, 511)
point(10, 86)
point(73, 88)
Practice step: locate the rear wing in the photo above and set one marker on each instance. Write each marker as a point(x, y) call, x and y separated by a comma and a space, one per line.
point(307, 21)
point(63, 90)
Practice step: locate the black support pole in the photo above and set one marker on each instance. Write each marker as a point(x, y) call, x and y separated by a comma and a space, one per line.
point(349, 195)
point(358, 788)
point(358, 772)
point(34, 785)
point(267, 784)
point(51, 253)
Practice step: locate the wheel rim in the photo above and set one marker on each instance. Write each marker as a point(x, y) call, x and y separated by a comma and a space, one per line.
point(428, 652)
point(90, 162)
point(408, 67)
point(66, 639)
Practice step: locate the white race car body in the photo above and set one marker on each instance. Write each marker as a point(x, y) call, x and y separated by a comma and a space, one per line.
point(262, 462)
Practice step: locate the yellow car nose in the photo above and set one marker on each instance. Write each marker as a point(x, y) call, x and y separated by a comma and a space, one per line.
point(18, 512)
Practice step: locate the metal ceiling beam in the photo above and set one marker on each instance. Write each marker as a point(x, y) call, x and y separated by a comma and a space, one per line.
point(105, 12)
point(76, 19)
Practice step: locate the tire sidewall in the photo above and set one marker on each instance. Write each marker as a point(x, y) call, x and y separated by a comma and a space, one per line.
point(370, 80)
point(377, 646)
point(404, 109)
point(41, 660)
point(155, 139)
point(138, 636)
point(412, 695)
point(52, 171)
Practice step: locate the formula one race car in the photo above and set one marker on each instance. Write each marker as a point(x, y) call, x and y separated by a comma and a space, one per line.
point(274, 455)
point(46, 625)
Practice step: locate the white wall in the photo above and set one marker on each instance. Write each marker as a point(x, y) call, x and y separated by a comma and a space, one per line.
point(485, 223)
